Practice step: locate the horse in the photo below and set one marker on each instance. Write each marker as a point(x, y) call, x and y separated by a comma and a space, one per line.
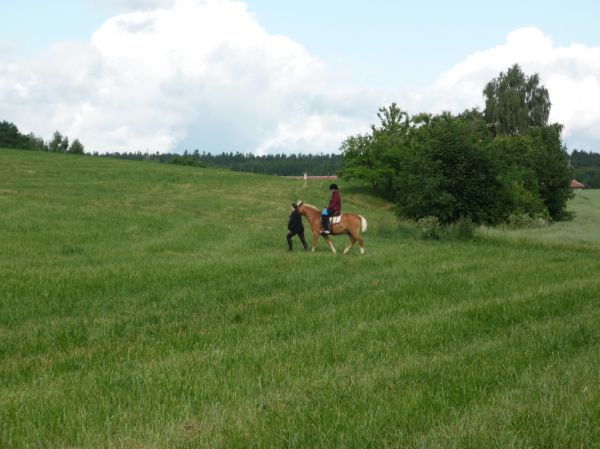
point(350, 224)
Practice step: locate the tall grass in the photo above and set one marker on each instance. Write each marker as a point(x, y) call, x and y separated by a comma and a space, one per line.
point(153, 306)
point(582, 231)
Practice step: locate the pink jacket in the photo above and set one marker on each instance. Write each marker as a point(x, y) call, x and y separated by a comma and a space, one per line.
point(335, 202)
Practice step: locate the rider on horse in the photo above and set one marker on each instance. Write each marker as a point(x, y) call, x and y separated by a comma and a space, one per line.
point(333, 208)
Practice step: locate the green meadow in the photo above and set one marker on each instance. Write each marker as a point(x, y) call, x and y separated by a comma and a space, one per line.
point(583, 231)
point(155, 306)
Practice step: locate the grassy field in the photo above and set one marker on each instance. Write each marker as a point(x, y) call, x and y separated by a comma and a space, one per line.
point(583, 231)
point(155, 306)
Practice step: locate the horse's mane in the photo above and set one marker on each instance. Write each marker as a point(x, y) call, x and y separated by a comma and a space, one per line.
point(310, 206)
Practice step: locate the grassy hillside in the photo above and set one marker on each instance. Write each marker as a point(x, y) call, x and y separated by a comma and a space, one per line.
point(153, 306)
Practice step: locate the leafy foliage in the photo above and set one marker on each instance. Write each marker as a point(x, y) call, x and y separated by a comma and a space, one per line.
point(187, 160)
point(455, 167)
point(429, 165)
point(553, 173)
point(430, 228)
point(460, 178)
point(515, 102)
point(377, 158)
point(76, 147)
point(59, 143)
point(10, 137)
point(465, 230)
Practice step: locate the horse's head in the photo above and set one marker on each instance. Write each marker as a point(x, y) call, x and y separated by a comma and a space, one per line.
point(300, 207)
point(308, 210)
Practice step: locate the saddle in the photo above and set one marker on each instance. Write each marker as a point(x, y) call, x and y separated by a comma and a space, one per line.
point(335, 219)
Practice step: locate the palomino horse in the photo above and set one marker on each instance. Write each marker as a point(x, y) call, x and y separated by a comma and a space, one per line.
point(350, 224)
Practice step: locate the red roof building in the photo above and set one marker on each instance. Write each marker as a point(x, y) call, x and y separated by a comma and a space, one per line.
point(577, 185)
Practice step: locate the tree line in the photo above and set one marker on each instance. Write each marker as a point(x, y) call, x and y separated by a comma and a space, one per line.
point(271, 164)
point(11, 137)
point(487, 167)
point(586, 166)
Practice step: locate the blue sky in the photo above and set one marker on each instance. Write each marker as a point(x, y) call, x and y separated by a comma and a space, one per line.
point(379, 51)
point(413, 42)
point(380, 41)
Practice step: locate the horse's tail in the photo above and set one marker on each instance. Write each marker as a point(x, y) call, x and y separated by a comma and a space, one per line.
point(363, 223)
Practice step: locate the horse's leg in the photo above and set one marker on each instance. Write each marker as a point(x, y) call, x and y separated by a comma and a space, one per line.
point(330, 243)
point(314, 241)
point(361, 243)
point(355, 237)
point(349, 247)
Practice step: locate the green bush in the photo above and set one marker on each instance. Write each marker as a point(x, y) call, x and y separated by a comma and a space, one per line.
point(522, 220)
point(187, 160)
point(430, 228)
point(465, 229)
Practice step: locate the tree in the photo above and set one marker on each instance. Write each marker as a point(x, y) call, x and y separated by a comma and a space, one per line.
point(580, 158)
point(55, 144)
point(9, 135)
point(551, 163)
point(515, 102)
point(518, 106)
point(76, 147)
point(430, 165)
point(448, 173)
point(377, 157)
point(59, 143)
point(64, 145)
point(34, 142)
point(518, 175)
point(481, 166)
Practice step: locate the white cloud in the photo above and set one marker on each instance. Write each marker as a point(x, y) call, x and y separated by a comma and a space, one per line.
point(204, 74)
point(200, 74)
point(571, 75)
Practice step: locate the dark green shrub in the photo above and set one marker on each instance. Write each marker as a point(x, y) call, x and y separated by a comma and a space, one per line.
point(465, 229)
point(430, 228)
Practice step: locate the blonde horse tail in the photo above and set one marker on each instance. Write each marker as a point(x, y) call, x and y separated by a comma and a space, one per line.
point(363, 223)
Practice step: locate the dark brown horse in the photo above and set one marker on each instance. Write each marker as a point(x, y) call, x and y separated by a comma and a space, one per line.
point(350, 224)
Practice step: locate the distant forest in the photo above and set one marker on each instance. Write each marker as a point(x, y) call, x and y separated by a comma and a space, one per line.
point(586, 166)
point(272, 164)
